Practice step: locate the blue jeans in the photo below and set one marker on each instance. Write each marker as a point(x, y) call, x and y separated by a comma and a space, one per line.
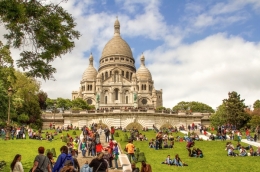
point(83, 152)
point(131, 155)
point(116, 163)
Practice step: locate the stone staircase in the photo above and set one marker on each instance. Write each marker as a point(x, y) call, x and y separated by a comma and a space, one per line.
point(82, 160)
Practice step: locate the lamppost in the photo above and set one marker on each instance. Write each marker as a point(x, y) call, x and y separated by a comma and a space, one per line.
point(54, 111)
point(7, 136)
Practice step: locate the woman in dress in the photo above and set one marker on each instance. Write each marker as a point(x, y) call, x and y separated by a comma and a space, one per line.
point(16, 165)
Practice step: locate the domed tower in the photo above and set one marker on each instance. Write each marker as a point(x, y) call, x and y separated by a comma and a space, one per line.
point(116, 54)
point(88, 83)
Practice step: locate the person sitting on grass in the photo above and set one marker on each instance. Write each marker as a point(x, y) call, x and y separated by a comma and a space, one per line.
point(165, 144)
point(243, 151)
point(231, 152)
point(134, 168)
point(199, 153)
point(194, 152)
point(171, 144)
point(257, 152)
point(168, 160)
point(151, 144)
point(251, 152)
point(212, 137)
point(146, 167)
point(177, 161)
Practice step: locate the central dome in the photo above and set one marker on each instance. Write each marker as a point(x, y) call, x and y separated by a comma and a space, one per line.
point(117, 46)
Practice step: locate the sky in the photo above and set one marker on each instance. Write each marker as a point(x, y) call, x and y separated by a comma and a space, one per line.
point(196, 50)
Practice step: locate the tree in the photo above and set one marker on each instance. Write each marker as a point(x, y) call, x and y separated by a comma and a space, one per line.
point(65, 104)
point(6, 66)
point(46, 27)
point(79, 103)
point(219, 117)
point(256, 104)
point(3, 102)
point(192, 107)
point(42, 97)
point(235, 110)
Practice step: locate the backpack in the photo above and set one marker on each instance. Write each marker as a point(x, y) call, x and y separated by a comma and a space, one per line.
point(86, 169)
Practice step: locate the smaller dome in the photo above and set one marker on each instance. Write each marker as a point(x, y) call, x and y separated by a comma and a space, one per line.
point(143, 72)
point(90, 73)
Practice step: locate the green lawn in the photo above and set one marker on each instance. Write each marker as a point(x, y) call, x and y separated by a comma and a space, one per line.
point(28, 148)
point(215, 157)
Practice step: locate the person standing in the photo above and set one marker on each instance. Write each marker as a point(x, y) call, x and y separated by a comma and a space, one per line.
point(116, 153)
point(112, 132)
point(41, 161)
point(16, 165)
point(83, 147)
point(63, 157)
point(146, 167)
point(99, 164)
point(130, 148)
point(107, 133)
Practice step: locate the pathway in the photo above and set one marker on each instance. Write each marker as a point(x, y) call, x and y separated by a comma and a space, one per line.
point(256, 144)
point(82, 160)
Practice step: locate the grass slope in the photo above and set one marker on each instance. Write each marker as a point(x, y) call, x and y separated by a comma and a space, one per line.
point(215, 157)
point(28, 148)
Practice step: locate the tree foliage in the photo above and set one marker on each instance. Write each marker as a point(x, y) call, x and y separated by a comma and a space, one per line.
point(192, 107)
point(42, 97)
point(65, 104)
point(3, 102)
point(6, 66)
point(256, 104)
point(235, 110)
point(79, 103)
point(219, 117)
point(45, 31)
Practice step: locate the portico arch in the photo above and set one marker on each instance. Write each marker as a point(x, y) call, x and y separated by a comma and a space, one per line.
point(134, 125)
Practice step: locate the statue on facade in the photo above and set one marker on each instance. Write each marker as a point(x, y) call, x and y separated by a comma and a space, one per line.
point(135, 97)
point(97, 97)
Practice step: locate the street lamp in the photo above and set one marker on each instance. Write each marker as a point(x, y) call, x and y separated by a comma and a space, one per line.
point(10, 92)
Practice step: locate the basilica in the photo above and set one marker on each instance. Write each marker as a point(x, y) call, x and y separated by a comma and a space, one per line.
point(117, 83)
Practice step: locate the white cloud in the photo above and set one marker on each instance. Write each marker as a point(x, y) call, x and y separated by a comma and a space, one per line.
point(207, 70)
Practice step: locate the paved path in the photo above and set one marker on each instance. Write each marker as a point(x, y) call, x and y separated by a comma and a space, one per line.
point(82, 160)
point(257, 144)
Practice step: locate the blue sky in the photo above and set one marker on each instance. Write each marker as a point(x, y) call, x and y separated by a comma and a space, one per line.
point(196, 50)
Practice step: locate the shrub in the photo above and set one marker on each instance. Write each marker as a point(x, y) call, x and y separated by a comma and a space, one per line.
point(116, 134)
point(64, 139)
point(126, 139)
point(47, 150)
point(74, 133)
point(53, 152)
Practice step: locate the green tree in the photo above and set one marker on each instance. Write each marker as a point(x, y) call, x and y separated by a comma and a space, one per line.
point(42, 97)
point(235, 110)
point(6, 66)
point(256, 104)
point(79, 103)
point(3, 102)
point(192, 107)
point(50, 103)
point(65, 104)
point(219, 117)
point(46, 27)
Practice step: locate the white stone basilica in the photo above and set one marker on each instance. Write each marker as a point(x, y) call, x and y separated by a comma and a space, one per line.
point(117, 84)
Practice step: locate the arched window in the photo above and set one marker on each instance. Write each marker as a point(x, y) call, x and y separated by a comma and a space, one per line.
point(90, 87)
point(127, 75)
point(126, 99)
point(131, 75)
point(123, 73)
point(116, 94)
point(144, 87)
point(106, 75)
point(102, 77)
point(110, 73)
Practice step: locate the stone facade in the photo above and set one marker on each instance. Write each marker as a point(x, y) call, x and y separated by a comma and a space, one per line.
point(117, 83)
